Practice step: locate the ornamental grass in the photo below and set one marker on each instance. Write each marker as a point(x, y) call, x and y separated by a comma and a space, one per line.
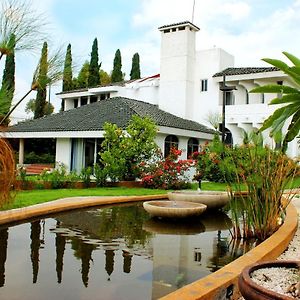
point(7, 172)
point(258, 211)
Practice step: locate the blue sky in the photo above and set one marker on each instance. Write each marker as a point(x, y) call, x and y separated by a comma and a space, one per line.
point(248, 29)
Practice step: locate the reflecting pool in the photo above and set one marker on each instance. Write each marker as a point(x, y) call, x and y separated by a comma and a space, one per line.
point(113, 252)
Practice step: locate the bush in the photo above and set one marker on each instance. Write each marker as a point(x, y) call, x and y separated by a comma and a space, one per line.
point(33, 158)
point(101, 175)
point(85, 175)
point(56, 177)
point(265, 173)
point(208, 162)
point(168, 173)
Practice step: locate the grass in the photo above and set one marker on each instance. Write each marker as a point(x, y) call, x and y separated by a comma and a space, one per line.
point(26, 198)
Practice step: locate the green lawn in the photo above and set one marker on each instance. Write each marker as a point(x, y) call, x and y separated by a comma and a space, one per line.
point(26, 198)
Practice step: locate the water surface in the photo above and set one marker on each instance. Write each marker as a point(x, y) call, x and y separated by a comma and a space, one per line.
point(116, 252)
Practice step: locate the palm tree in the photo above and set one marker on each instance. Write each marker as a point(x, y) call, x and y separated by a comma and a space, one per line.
point(289, 100)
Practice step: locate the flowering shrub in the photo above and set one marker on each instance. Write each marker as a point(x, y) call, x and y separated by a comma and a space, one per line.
point(208, 162)
point(165, 173)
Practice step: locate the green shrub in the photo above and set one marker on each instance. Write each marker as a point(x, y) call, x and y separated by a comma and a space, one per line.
point(101, 175)
point(57, 176)
point(265, 173)
point(85, 175)
point(33, 158)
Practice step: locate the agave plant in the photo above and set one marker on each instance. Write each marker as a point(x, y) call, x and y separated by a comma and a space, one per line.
point(290, 100)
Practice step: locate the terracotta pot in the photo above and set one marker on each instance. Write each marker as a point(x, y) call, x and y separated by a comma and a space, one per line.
point(252, 291)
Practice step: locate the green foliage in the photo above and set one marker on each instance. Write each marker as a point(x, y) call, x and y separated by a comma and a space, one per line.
point(67, 73)
point(8, 79)
point(117, 75)
point(264, 174)
point(82, 80)
point(34, 158)
point(30, 107)
point(100, 175)
point(135, 72)
point(124, 150)
point(104, 77)
point(85, 175)
point(290, 99)
point(208, 162)
point(56, 176)
point(43, 80)
point(94, 76)
point(165, 173)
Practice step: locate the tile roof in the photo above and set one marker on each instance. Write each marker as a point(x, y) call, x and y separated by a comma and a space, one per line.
point(116, 110)
point(242, 71)
point(178, 24)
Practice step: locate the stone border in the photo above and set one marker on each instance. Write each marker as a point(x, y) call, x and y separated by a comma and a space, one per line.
point(223, 284)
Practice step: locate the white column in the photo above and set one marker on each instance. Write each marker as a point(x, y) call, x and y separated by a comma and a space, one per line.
point(89, 100)
point(21, 151)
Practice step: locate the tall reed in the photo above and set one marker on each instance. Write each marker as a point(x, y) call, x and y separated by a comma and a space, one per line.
point(264, 173)
point(7, 172)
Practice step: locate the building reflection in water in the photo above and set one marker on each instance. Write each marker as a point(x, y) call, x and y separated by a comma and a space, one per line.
point(3, 254)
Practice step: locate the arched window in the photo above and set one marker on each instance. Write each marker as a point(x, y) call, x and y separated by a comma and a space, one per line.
point(192, 146)
point(171, 141)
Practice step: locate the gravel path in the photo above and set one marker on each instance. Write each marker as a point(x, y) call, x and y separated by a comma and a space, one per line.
point(283, 280)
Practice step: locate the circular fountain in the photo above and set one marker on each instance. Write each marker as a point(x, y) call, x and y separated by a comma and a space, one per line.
point(173, 209)
point(212, 199)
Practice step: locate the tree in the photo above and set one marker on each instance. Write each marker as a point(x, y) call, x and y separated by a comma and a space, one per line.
point(19, 19)
point(82, 80)
point(68, 74)
point(8, 81)
point(135, 72)
point(40, 105)
point(94, 76)
point(117, 75)
point(30, 107)
point(104, 77)
point(125, 150)
point(290, 101)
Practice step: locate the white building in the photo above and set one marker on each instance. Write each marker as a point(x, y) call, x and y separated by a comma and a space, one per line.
point(188, 87)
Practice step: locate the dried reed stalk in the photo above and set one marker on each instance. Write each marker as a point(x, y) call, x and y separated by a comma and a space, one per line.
point(7, 172)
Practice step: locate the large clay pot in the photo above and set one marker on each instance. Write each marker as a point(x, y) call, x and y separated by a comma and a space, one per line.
point(252, 291)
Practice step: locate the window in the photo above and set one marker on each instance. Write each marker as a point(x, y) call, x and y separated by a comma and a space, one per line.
point(262, 98)
point(247, 97)
point(171, 141)
point(204, 85)
point(229, 98)
point(75, 103)
point(193, 146)
point(279, 95)
point(93, 99)
point(84, 101)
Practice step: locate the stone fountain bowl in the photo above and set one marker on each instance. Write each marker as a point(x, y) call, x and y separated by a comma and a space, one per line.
point(172, 209)
point(213, 200)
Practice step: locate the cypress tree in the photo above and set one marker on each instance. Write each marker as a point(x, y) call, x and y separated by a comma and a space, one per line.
point(117, 75)
point(40, 102)
point(68, 74)
point(8, 79)
point(135, 72)
point(94, 77)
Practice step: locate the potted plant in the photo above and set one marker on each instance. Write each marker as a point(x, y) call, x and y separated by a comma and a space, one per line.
point(251, 289)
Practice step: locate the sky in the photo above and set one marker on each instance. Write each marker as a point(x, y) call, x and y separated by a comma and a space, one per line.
point(248, 29)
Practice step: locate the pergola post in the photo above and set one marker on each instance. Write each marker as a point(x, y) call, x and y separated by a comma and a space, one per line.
point(21, 151)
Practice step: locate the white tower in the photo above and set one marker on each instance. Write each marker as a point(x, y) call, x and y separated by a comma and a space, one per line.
point(177, 67)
